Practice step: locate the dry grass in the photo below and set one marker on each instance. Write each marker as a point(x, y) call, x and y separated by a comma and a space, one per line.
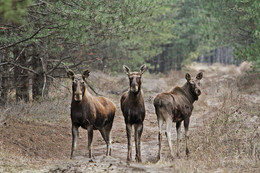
point(39, 111)
point(229, 141)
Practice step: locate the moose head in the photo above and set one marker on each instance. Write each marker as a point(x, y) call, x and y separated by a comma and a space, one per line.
point(78, 84)
point(135, 78)
point(194, 83)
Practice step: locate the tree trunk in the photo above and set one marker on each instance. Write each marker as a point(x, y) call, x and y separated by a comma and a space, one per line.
point(40, 83)
point(178, 63)
point(162, 62)
point(3, 79)
point(21, 80)
point(37, 79)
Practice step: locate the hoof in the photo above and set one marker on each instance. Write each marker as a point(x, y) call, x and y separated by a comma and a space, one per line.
point(187, 153)
point(138, 160)
point(157, 159)
point(128, 161)
point(172, 156)
point(178, 156)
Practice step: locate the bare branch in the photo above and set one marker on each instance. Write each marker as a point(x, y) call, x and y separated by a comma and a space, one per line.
point(25, 68)
point(80, 62)
point(55, 67)
point(44, 83)
point(38, 4)
point(93, 89)
point(4, 63)
point(66, 3)
point(3, 28)
point(19, 54)
point(24, 40)
point(43, 59)
point(75, 65)
point(55, 80)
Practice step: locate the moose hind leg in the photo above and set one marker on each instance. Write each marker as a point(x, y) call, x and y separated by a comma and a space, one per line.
point(168, 135)
point(109, 140)
point(160, 124)
point(105, 132)
point(75, 134)
point(129, 142)
point(138, 134)
point(109, 143)
point(186, 126)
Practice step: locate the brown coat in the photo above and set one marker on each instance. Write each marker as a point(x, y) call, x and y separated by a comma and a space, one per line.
point(133, 109)
point(132, 106)
point(89, 112)
point(176, 106)
point(92, 110)
point(178, 102)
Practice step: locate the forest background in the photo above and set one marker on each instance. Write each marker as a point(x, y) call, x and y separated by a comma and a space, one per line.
point(39, 40)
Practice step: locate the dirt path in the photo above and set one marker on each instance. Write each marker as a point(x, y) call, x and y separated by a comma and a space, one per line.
point(149, 139)
point(41, 141)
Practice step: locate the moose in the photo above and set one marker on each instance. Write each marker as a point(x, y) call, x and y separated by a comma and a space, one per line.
point(176, 106)
point(89, 112)
point(133, 109)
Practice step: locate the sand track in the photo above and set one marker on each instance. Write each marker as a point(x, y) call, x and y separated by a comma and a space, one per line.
point(27, 142)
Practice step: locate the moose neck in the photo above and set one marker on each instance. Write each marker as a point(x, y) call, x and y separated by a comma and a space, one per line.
point(87, 95)
point(135, 96)
point(191, 96)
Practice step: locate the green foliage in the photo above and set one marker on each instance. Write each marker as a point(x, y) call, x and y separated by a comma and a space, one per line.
point(105, 34)
point(178, 29)
point(80, 26)
point(168, 33)
point(154, 29)
point(186, 29)
point(13, 10)
point(236, 23)
point(58, 33)
point(251, 53)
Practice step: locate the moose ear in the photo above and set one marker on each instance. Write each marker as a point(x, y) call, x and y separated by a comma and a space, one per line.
point(70, 73)
point(126, 69)
point(187, 76)
point(143, 69)
point(85, 74)
point(199, 76)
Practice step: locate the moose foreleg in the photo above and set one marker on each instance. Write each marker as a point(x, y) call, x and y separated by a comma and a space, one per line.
point(75, 134)
point(129, 143)
point(138, 134)
point(178, 129)
point(90, 138)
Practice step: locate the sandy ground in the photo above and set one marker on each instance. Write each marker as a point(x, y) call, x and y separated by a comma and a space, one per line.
point(42, 143)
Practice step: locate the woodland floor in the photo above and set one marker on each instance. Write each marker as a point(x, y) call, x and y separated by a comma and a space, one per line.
point(36, 137)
